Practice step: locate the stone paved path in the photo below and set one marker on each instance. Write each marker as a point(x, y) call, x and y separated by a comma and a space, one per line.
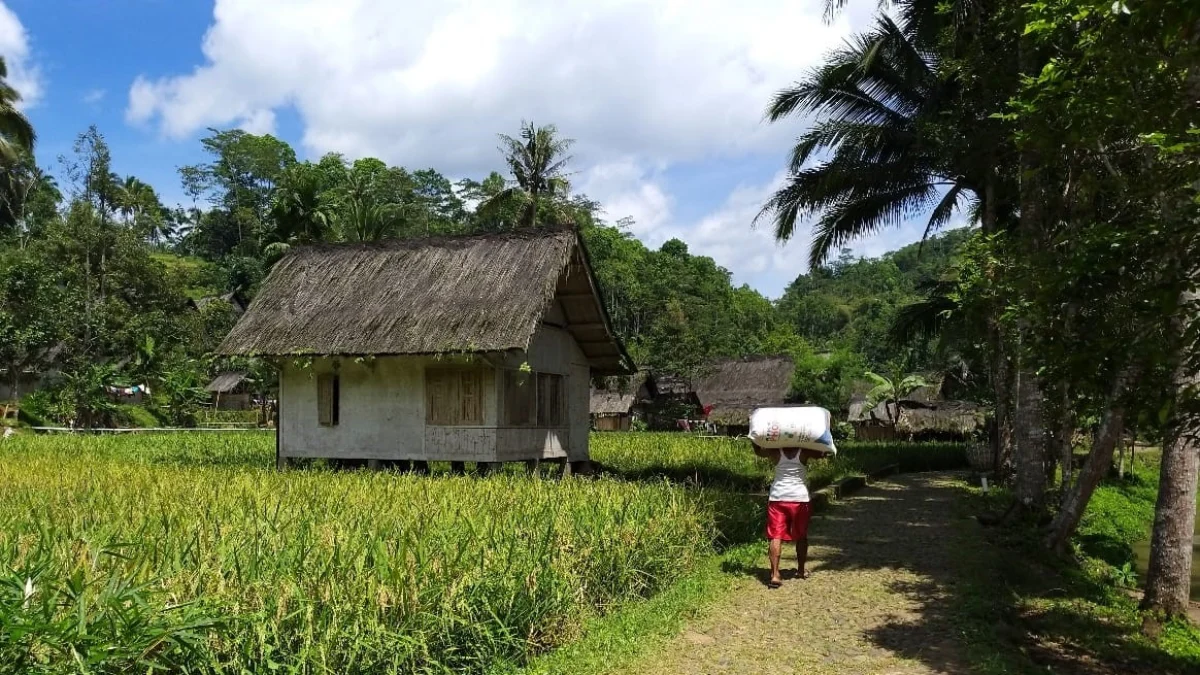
point(884, 565)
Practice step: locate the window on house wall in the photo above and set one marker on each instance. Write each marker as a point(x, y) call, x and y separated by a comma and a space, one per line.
point(550, 395)
point(520, 399)
point(454, 396)
point(533, 399)
point(328, 399)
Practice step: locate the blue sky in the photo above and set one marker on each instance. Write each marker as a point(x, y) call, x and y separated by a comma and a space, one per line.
point(664, 98)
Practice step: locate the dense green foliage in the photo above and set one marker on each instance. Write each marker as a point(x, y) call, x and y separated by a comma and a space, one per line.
point(225, 563)
point(99, 281)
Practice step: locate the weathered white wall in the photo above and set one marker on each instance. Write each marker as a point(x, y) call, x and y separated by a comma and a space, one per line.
point(382, 410)
point(554, 350)
point(381, 414)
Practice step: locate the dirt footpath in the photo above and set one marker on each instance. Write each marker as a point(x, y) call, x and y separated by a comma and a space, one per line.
point(883, 568)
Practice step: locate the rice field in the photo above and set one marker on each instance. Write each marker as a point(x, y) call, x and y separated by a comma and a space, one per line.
point(190, 553)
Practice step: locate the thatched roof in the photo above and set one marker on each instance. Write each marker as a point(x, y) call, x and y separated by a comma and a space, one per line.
point(225, 382)
point(917, 417)
point(960, 418)
point(735, 387)
point(233, 299)
point(436, 295)
point(618, 395)
point(673, 385)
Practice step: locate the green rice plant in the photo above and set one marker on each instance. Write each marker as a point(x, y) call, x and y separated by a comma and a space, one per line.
point(195, 544)
point(347, 572)
point(731, 463)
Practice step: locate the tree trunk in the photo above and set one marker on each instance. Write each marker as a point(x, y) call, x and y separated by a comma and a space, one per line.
point(1065, 436)
point(1169, 575)
point(1097, 464)
point(1030, 488)
point(1001, 370)
point(1002, 445)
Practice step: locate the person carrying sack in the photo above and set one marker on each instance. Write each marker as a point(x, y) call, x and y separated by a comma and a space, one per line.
point(788, 508)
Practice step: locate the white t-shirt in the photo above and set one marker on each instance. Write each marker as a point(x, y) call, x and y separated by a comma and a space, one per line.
point(791, 480)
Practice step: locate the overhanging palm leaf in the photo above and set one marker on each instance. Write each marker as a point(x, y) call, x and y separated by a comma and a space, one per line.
point(16, 133)
point(878, 98)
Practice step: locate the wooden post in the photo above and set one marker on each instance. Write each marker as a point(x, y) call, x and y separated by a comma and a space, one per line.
point(489, 468)
point(532, 466)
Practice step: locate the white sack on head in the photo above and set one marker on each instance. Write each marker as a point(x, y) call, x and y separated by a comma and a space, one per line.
point(805, 427)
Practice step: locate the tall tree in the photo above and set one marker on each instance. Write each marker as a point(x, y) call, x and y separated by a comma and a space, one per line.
point(906, 129)
point(17, 136)
point(537, 160)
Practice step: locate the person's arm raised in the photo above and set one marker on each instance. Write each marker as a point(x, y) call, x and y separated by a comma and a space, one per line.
point(767, 453)
point(806, 454)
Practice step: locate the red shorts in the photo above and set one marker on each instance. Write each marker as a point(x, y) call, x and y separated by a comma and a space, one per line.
point(788, 520)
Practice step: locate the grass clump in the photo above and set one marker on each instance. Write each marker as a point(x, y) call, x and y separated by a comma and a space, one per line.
point(1068, 615)
point(316, 571)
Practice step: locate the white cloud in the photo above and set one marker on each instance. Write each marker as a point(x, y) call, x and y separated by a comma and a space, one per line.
point(642, 85)
point(94, 96)
point(432, 83)
point(728, 235)
point(261, 121)
point(625, 188)
point(23, 74)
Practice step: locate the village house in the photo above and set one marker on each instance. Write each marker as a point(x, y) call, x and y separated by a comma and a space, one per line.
point(617, 401)
point(730, 389)
point(921, 415)
point(230, 391)
point(467, 349)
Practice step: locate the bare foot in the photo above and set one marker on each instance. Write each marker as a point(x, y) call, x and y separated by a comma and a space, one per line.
point(775, 582)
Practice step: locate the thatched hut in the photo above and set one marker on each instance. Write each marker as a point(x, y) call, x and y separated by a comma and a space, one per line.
point(617, 401)
point(477, 348)
point(918, 416)
point(230, 391)
point(235, 301)
point(730, 389)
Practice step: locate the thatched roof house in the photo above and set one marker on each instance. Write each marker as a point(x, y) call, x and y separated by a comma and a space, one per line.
point(225, 383)
point(230, 391)
point(735, 387)
point(475, 348)
point(917, 416)
point(234, 299)
point(617, 400)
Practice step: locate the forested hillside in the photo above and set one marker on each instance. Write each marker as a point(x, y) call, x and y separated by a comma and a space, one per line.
point(96, 274)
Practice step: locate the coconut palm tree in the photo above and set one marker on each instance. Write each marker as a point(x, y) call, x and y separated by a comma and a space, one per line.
point(17, 136)
point(898, 140)
point(538, 162)
point(901, 134)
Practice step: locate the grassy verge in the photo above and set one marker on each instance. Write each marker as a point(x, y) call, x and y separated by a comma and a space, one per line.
point(729, 475)
point(1076, 615)
point(616, 641)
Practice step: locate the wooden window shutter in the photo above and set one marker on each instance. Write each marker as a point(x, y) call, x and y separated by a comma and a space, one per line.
point(520, 399)
point(328, 393)
point(454, 397)
point(550, 395)
point(471, 397)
